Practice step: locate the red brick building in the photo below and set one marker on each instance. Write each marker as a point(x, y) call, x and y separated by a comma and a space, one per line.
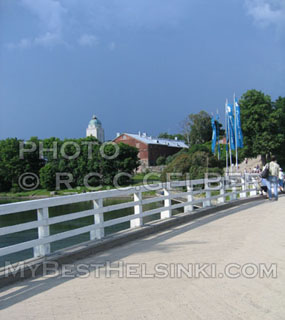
point(150, 148)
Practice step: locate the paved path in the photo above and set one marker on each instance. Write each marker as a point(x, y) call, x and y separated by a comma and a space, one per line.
point(250, 234)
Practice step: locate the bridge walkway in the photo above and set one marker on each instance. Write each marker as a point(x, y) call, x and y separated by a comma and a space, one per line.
point(250, 236)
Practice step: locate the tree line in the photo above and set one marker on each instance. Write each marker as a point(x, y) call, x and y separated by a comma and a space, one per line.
point(75, 159)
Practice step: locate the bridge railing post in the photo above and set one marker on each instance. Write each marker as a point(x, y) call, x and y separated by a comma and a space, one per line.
point(207, 201)
point(222, 191)
point(234, 188)
point(43, 232)
point(189, 207)
point(98, 233)
point(137, 222)
point(165, 214)
point(243, 187)
point(231, 187)
point(246, 184)
point(253, 186)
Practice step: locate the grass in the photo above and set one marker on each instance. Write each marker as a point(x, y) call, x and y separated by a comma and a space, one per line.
point(38, 192)
point(150, 178)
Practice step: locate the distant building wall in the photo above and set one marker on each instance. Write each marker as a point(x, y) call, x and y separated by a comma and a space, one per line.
point(155, 151)
point(95, 132)
point(148, 153)
point(142, 147)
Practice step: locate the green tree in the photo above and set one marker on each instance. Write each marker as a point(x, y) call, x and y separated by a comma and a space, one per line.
point(126, 162)
point(13, 164)
point(280, 116)
point(99, 162)
point(48, 176)
point(259, 121)
point(197, 128)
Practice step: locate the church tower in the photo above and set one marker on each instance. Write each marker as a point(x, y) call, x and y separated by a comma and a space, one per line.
point(95, 129)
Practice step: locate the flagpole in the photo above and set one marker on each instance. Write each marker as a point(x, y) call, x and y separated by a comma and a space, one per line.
point(226, 125)
point(236, 132)
point(218, 131)
point(230, 150)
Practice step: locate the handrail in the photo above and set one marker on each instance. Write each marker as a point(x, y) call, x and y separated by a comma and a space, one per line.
point(242, 186)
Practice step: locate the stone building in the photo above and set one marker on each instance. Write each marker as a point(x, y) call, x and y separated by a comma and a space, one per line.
point(150, 148)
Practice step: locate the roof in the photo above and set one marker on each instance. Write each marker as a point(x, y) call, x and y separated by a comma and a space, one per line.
point(95, 122)
point(158, 141)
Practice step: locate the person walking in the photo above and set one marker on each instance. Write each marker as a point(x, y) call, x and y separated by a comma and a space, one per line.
point(281, 180)
point(263, 187)
point(272, 181)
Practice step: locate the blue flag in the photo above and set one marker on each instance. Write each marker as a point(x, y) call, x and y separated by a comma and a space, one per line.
point(238, 124)
point(231, 126)
point(214, 135)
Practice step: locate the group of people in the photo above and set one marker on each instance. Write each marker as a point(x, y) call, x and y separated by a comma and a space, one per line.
point(272, 179)
point(256, 169)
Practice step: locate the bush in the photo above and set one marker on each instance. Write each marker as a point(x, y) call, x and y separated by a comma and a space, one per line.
point(196, 164)
point(197, 172)
point(15, 188)
point(48, 176)
point(199, 147)
point(180, 164)
point(160, 160)
point(168, 160)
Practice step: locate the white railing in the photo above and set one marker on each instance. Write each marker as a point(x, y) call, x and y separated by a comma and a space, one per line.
point(206, 192)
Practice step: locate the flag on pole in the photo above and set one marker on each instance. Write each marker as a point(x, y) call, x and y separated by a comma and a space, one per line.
point(238, 124)
point(231, 126)
point(227, 139)
point(218, 135)
point(226, 124)
point(214, 135)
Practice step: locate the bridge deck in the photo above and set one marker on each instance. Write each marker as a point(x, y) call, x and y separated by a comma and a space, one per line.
point(249, 234)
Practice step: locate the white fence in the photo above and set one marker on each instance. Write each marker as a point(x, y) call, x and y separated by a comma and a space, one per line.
point(206, 192)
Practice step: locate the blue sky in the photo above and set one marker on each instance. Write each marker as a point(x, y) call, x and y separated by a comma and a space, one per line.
point(139, 65)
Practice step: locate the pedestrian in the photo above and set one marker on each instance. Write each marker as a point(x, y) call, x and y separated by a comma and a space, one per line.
point(281, 180)
point(272, 180)
point(263, 187)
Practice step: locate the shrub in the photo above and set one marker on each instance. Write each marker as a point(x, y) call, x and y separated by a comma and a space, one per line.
point(196, 164)
point(160, 160)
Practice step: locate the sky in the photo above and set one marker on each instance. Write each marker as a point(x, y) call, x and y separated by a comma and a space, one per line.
point(138, 65)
